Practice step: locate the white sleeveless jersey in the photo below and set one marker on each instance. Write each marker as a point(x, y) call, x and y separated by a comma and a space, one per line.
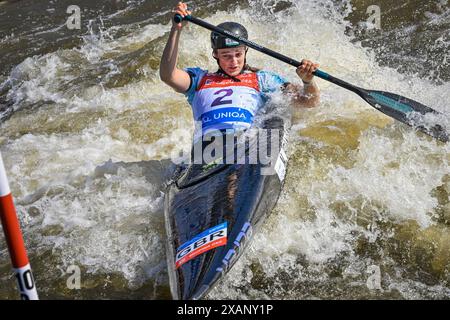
point(219, 102)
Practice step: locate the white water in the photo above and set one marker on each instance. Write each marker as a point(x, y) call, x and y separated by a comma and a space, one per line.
point(351, 167)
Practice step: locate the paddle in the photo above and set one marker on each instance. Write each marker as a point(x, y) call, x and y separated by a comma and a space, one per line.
point(400, 108)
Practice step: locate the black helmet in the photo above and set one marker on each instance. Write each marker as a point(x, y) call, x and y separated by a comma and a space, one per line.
point(218, 41)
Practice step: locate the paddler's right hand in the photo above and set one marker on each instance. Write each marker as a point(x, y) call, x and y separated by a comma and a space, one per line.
point(182, 10)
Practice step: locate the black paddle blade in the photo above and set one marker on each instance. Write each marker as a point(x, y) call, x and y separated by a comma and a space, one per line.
point(408, 111)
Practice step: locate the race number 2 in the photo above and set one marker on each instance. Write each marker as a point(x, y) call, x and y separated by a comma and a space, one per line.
point(219, 101)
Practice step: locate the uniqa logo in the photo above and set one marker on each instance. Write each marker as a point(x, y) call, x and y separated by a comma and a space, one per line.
point(222, 115)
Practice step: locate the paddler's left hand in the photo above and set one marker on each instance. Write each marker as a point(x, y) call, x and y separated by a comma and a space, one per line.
point(305, 71)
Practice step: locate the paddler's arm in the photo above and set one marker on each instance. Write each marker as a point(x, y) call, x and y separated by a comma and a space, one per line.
point(308, 95)
point(178, 79)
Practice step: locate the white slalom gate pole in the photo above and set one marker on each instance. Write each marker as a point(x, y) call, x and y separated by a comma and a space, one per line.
point(14, 240)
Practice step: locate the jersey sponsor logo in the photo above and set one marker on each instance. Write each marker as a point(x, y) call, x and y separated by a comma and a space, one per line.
point(203, 242)
point(221, 115)
point(214, 80)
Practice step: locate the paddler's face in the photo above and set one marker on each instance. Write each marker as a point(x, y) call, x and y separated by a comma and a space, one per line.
point(231, 60)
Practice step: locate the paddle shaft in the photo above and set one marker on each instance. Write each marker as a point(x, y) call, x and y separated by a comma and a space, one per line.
point(400, 108)
point(318, 73)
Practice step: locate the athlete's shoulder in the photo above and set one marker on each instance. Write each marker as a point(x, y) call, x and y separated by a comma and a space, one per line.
point(196, 74)
point(270, 81)
point(268, 74)
point(196, 71)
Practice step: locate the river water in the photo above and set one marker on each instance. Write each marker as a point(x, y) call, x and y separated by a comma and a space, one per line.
point(87, 129)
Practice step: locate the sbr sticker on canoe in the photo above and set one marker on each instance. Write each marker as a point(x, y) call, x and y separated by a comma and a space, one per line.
point(203, 242)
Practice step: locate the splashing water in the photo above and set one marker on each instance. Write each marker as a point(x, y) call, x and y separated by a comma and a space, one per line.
point(87, 131)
